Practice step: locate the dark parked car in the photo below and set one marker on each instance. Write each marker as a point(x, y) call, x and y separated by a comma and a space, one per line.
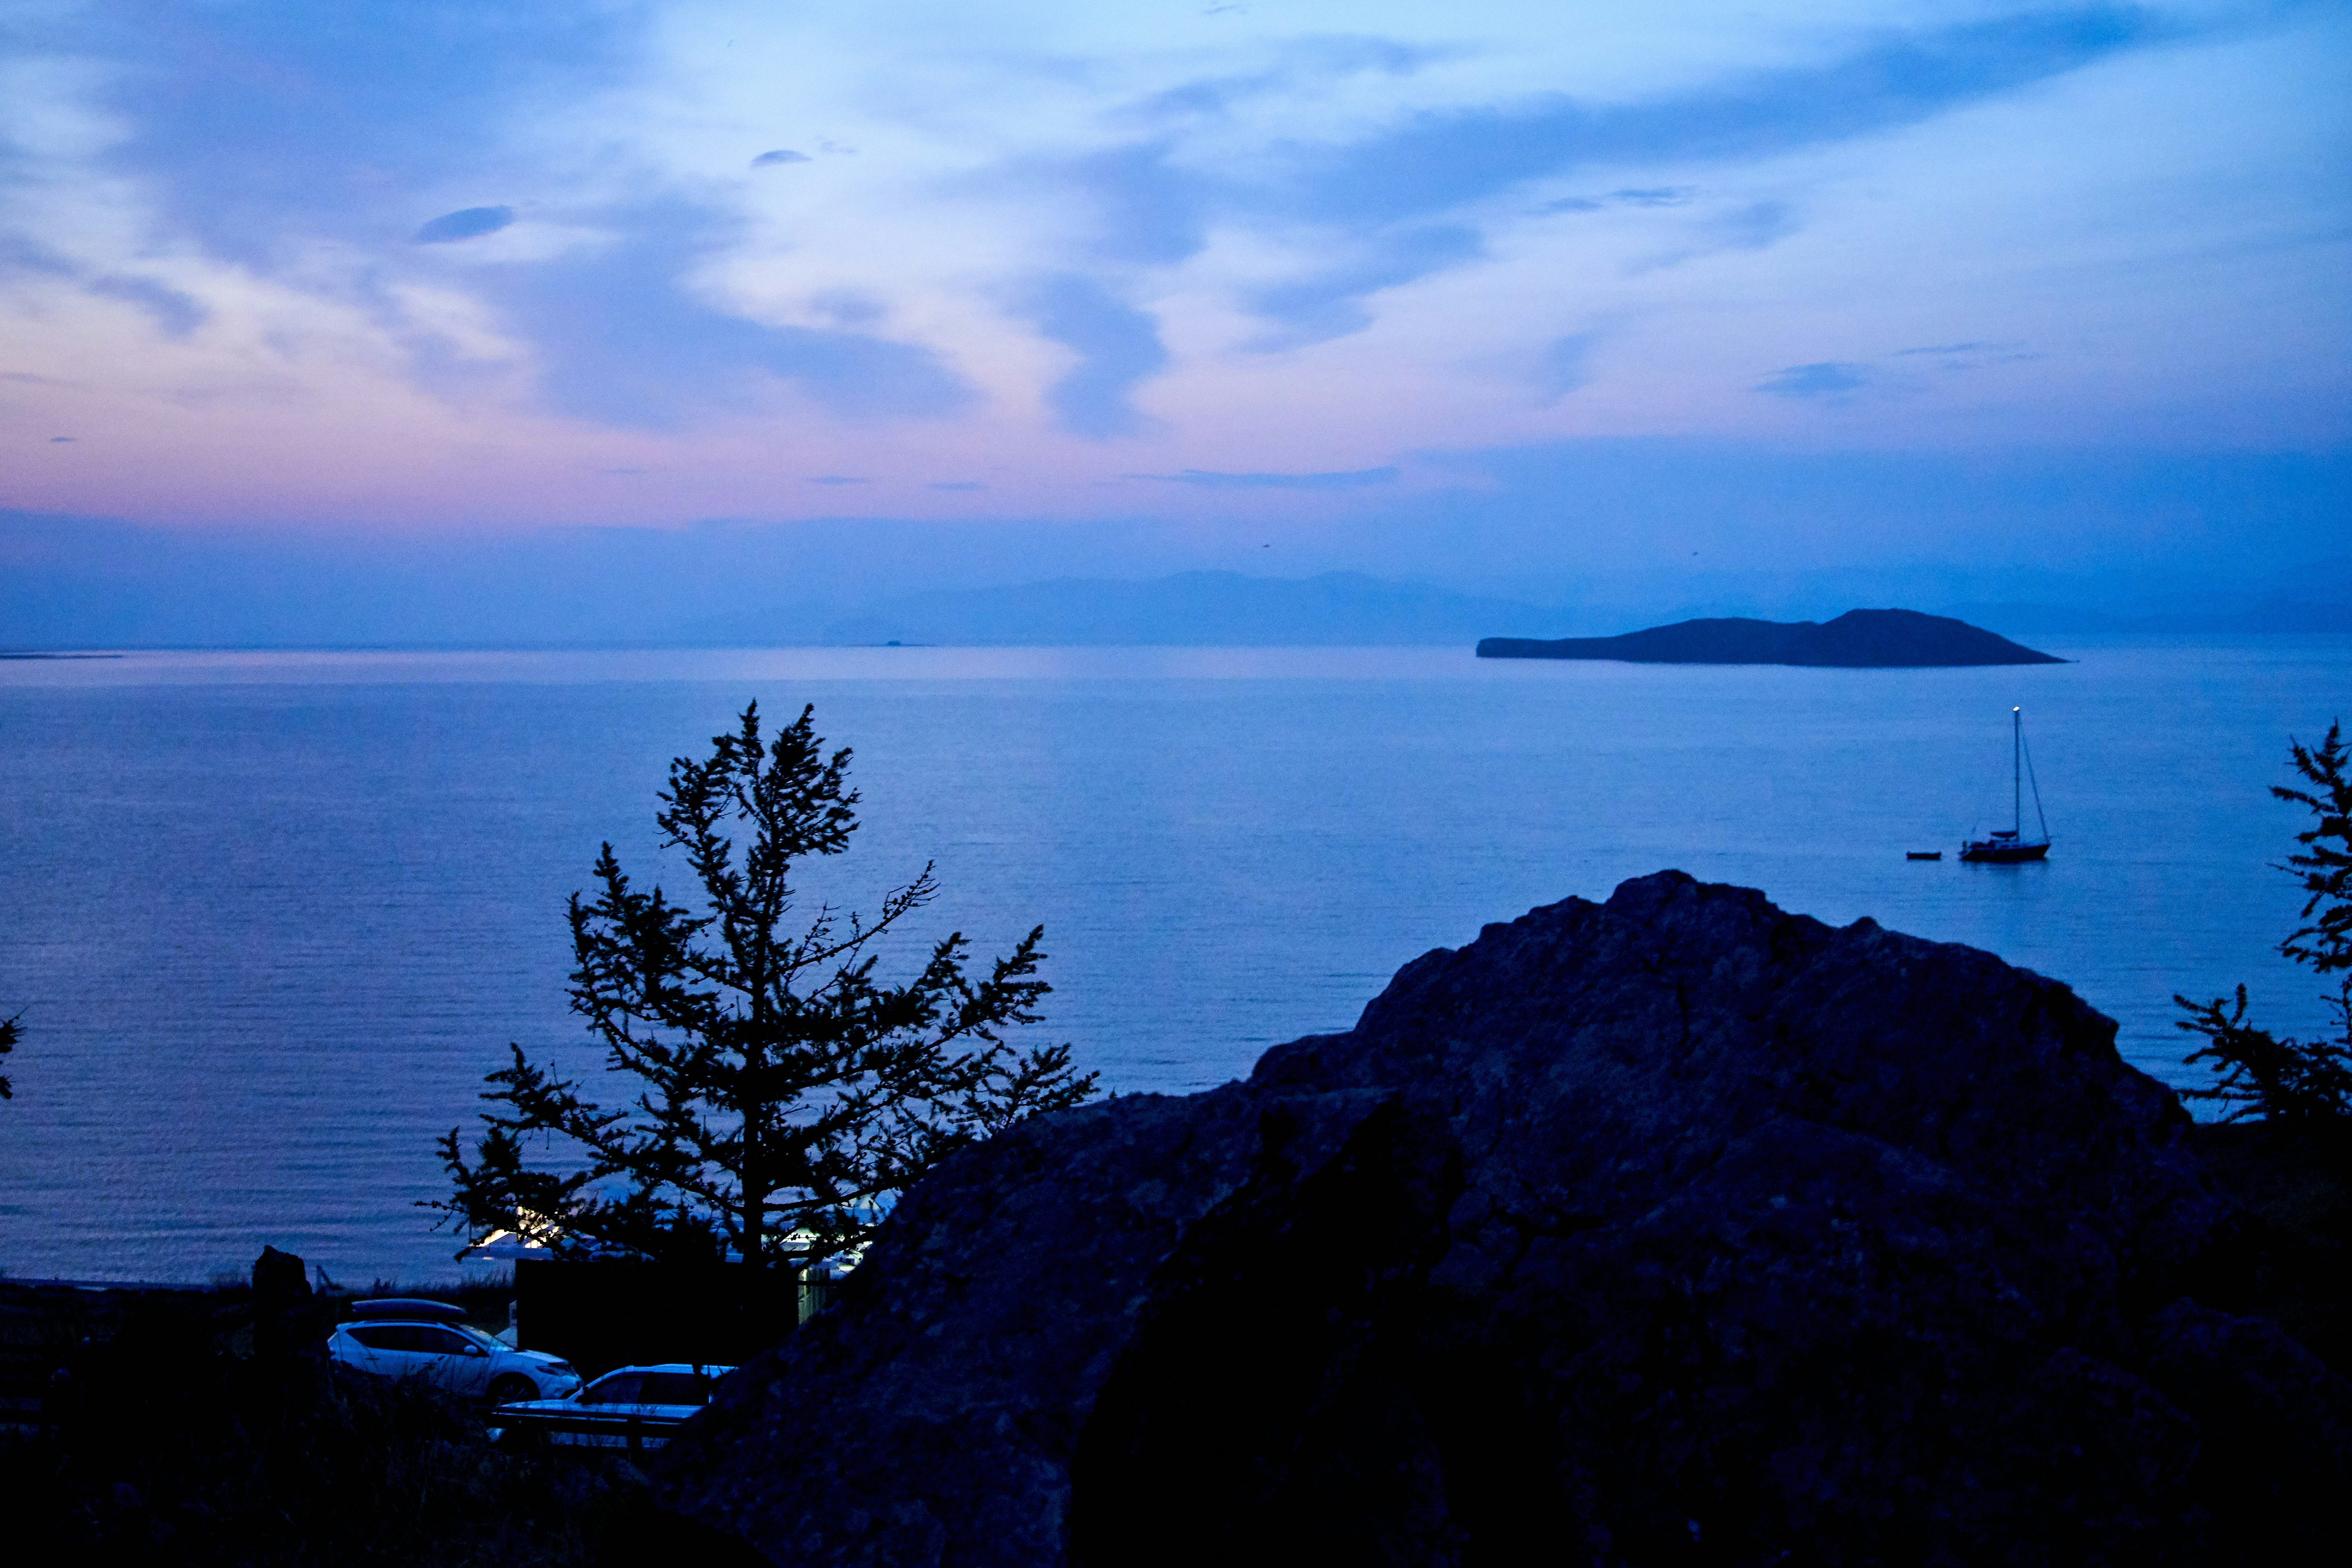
point(628, 1407)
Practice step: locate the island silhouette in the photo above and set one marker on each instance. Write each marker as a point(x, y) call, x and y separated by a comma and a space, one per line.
point(1859, 640)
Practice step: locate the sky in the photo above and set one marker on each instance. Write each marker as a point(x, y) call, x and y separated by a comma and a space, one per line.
point(1275, 271)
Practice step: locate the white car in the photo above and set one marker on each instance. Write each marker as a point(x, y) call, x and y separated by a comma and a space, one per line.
point(629, 1408)
point(432, 1340)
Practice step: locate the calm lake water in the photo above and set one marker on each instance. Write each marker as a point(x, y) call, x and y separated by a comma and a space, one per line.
point(269, 917)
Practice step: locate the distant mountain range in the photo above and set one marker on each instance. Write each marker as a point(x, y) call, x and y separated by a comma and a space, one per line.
point(73, 582)
point(1191, 608)
point(1338, 608)
point(2315, 597)
point(2271, 612)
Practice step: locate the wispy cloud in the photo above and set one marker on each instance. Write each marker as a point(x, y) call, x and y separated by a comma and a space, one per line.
point(1349, 479)
point(1632, 196)
point(624, 337)
point(1381, 190)
point(261, 127)
point(1328, 303)
point(1752, 226)
point(1973, 355)
point(1566, 365)
point(1831, 380)
point(177, 312)
point(1134, 203)
point(466, 222)
point(1657, 196)
point(1298, 65)
point(1440, 159)
point(1117, 346)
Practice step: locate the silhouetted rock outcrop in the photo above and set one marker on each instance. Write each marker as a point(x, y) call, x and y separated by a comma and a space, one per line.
point(1670, 1229)
point(1859, 640)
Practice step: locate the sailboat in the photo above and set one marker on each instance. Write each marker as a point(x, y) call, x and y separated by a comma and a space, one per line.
point(2007, 846)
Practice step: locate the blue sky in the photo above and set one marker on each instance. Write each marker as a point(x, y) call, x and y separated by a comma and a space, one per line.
point(454, 268)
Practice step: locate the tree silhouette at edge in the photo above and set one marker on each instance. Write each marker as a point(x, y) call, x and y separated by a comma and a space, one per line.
point(2286, 1081)
point(788, 1095)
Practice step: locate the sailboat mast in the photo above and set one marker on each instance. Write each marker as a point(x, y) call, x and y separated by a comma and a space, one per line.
point(2016, 750)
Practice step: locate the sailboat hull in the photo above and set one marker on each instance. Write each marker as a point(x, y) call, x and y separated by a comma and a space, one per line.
point(2004, 854)
point(2009, 846)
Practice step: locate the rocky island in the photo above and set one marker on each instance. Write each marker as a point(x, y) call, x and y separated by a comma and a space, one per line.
point(1671, 1228)
point(1859, 640)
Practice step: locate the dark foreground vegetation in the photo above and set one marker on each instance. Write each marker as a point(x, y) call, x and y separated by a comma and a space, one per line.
point(172, 1439)
point(2289, 1256)
point(169, 1427)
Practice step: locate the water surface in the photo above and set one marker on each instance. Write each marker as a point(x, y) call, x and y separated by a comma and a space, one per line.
point(269, 917)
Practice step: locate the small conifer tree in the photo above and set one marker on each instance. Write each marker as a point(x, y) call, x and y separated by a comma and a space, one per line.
point(786, 1093)
point(2290, 1081)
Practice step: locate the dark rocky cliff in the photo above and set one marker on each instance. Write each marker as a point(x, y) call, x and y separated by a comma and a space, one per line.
point(1672, 1229)
point(1859, 640)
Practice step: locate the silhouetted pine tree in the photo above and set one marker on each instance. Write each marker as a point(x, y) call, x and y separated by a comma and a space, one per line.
point(787, 1094)
point(2291, 1080)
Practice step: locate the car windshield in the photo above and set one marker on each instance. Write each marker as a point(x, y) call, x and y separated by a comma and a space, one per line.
point(486, 1341)
point(676, 1388)
point(613, 1388)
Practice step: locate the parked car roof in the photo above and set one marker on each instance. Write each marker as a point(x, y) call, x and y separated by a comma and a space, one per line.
point(408, 1308)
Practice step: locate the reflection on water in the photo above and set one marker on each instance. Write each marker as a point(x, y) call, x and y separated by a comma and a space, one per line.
point(271, 916)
